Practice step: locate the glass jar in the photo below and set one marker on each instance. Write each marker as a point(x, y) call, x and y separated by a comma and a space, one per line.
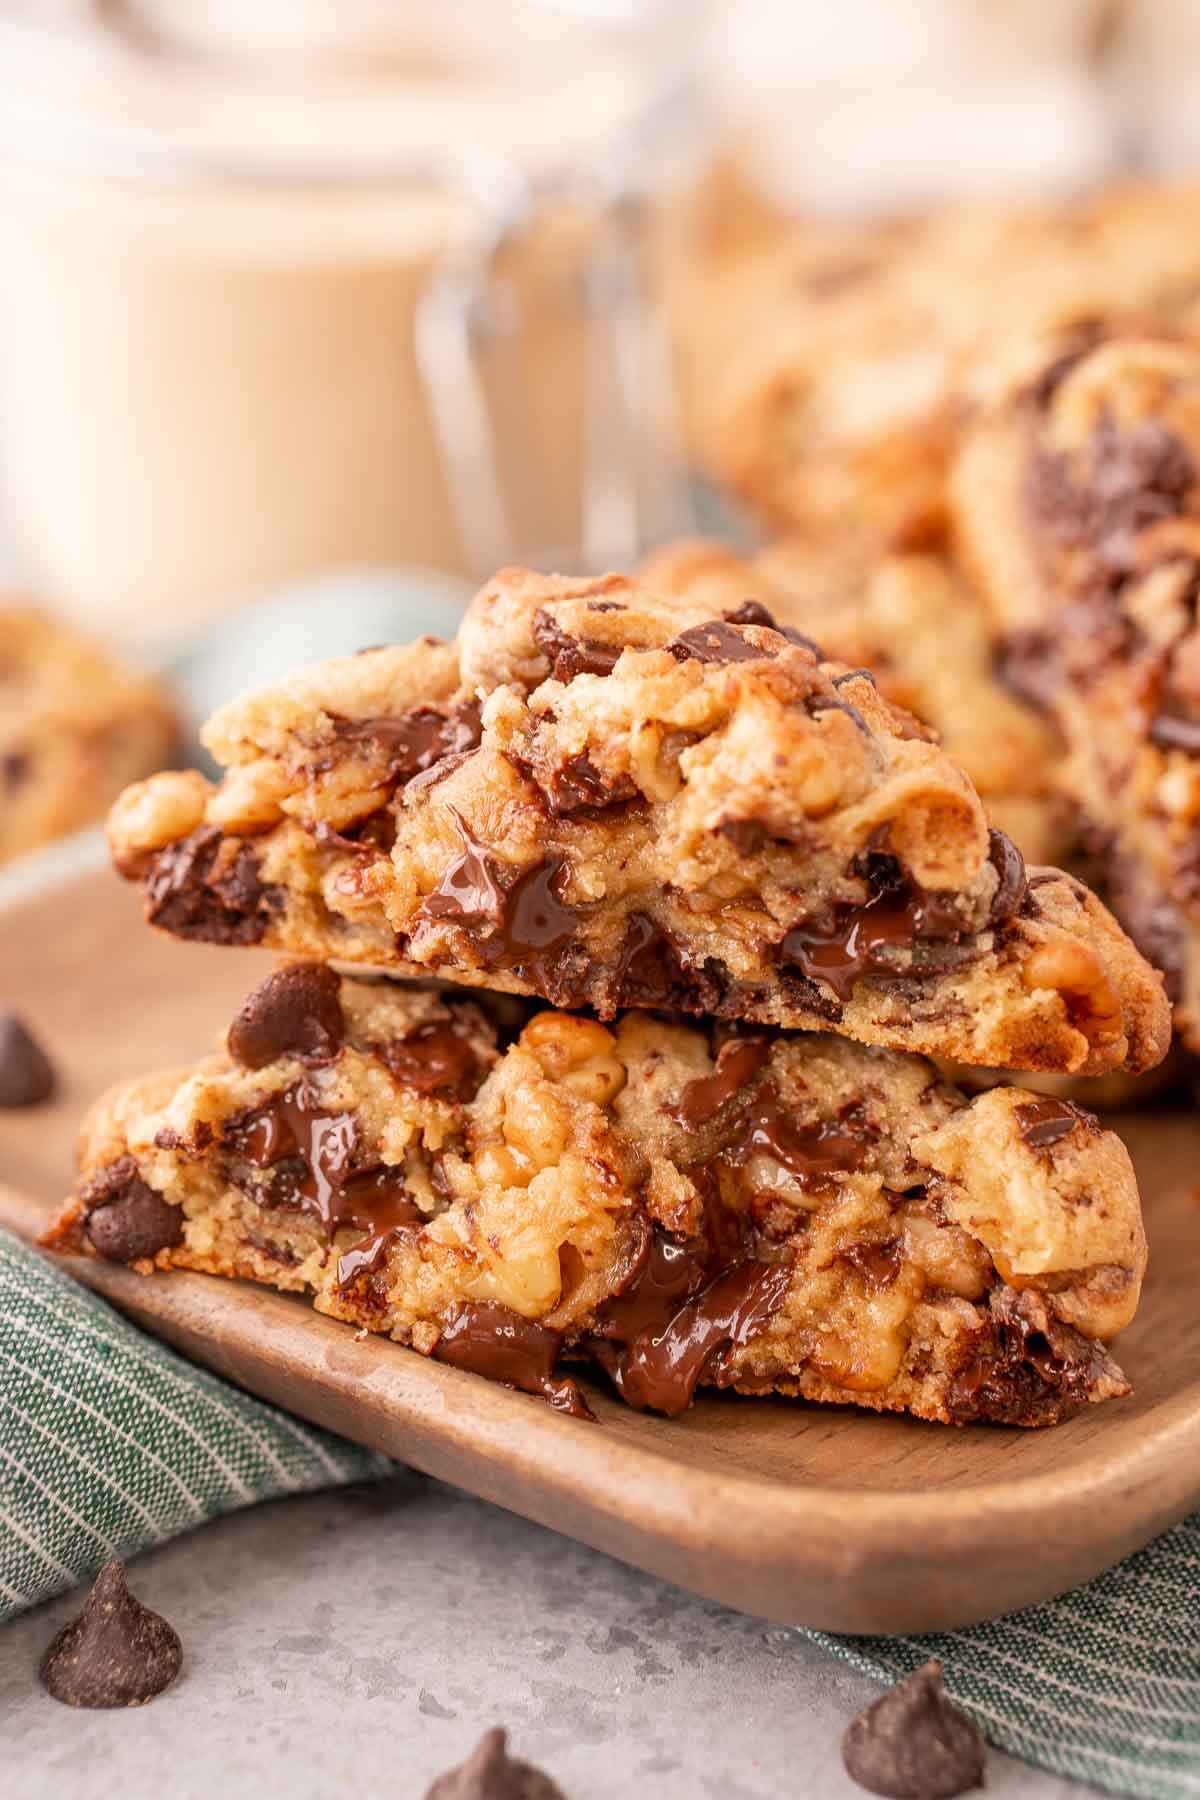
point(351, 291)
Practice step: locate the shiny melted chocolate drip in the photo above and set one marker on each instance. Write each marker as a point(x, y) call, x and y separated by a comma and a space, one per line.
point(855, 941)
point(519, 927)
point(415, 740)
point(497, 1343)
point(738, 1059)
point(814, 1154)
point(672, 1328)
point(1043, 1122)
point(311, 1154)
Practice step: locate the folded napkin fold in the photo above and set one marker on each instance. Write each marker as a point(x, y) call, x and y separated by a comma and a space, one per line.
point(110, 1443)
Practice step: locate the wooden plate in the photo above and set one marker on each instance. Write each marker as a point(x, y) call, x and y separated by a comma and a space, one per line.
point(804, 1514)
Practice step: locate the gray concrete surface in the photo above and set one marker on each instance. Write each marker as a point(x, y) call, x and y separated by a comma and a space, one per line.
point(359, 1643)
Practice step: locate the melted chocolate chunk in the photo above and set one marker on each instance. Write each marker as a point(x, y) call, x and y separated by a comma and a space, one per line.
point(116, 1653)
point(738, 1059)
point(1044, 1122)
point(310, 1155)
point(297, 1011)
point(126, 1219)
point(520, 925)
point(913, 1744)
point(571, 656)
point(661, 1366)
point(717, 643)
point(434, 1058)
point(877, 1261)
point(651, 970)
point(1009, 865)
point(753, 612)
point(27, 1075)
point(499, 1344)
point(1023, 1367)
point(853, 675)
point(378, 1203)
point(855, 941)
point(312, 1148)
point(417, 740)
point(209, 889)
point(814, 1154)
point(580, 787)
point(490, 1773)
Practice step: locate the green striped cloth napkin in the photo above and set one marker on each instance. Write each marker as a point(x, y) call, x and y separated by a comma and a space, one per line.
point(110, 1443)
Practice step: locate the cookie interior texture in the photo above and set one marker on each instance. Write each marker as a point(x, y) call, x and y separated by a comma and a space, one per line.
point(678, 1204)
point(1076, 502)
point(609, 798)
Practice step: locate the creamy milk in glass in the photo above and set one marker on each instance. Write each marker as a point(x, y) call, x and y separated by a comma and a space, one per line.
point(217, 222)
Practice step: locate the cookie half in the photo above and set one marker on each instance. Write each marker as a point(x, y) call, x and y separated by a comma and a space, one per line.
point(679, 1205)
point(607, 798)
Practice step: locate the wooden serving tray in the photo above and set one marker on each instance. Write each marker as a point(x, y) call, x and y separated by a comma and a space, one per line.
point(805, 1514)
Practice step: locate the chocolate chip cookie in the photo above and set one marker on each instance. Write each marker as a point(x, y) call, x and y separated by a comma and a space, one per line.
point(677, 1204)
point(75, 728)
point(607, 798)
point(1076, 504)
point(828, 368)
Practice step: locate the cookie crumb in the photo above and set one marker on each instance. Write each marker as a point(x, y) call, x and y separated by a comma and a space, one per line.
point(490, 1773)
point(913, 1744)
point(27, 1075)
point(116, 1653)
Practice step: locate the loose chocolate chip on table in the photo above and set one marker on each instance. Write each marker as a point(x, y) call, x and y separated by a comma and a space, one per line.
point(490, 1773)
point(913, 1744)
point(295, 1012)
point(116, 1653)
point(26, 1072)
point(136, 1222)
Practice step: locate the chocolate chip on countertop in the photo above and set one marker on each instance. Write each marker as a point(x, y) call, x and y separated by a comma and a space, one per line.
point(26, 1072)
point(913, 1744)
point(116, 1653)
point(136, 1222)
point(297, 1011)
point(490, 1773)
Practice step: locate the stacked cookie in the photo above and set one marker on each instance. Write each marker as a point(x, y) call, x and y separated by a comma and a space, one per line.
point(710, 901)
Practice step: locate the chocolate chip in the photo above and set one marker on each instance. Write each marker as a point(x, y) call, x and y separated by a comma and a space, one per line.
point(912, 1744)
point(26, 1072)
point(297, 1011)
point(136, 1222)
point(716, 643)
point(209, 889)
point(753, 612)
point(1045, 1121)
point(490, 1773)
point(571, 656)
point(116, 1653)
point(501, 1345)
